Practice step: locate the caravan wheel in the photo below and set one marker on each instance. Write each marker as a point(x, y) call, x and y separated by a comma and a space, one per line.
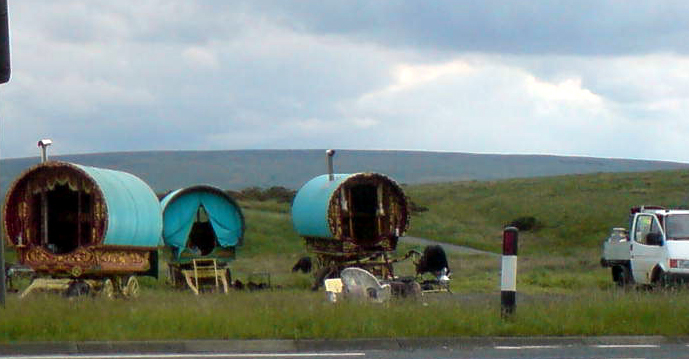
point(131, 289)
point(108, 289)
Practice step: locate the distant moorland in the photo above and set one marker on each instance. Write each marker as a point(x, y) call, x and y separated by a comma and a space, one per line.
point(167, 170)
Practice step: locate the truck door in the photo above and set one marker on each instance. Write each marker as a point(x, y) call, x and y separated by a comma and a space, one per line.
point(645, 253)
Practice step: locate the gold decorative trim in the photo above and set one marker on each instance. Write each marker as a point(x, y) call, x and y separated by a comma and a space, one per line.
point(41, 256)
point(88, 260)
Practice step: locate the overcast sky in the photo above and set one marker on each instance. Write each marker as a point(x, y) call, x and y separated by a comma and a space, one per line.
point(592, 78)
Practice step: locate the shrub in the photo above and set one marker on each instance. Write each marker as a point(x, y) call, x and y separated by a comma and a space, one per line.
point(278, 193)
point(414, 207)
point(526, 223)
point(281, 194)
point(253, 193)
point(236, 195)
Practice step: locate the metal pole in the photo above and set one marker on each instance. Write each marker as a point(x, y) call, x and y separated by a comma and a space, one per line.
point(508, 281)
point(5, 70)
point(43, 144)
point(4, 77)
point(329, 158)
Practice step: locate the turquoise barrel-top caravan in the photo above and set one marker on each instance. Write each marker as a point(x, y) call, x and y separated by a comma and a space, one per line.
point(84, 224)
point(202, 226)
point(351, 219)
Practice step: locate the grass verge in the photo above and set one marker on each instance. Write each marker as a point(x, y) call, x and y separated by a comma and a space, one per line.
point(165, 315)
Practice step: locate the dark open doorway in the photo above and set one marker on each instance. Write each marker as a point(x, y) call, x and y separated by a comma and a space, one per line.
point(68, 219)
point(202, 238)
point(364, 202)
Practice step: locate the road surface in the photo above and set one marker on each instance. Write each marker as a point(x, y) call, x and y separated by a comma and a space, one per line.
point(446, 246)
point(553, 349)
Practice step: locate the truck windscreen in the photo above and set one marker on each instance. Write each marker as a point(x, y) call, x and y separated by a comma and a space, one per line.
point(677, 226)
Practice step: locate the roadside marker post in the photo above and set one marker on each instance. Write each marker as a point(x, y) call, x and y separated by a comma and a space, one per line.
point(508, 280)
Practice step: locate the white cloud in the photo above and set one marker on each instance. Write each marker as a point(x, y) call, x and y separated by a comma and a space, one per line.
point(408, 76)
point(312, 125)
point(197, 56)
point(569, 91)
point(364, 122)
point(489, 106)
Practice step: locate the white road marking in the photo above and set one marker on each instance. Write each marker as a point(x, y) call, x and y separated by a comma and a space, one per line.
point(627, 346)
point(181, 356)
point(529, 347)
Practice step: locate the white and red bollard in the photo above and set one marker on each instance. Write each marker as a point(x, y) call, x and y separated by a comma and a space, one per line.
point(508, 280)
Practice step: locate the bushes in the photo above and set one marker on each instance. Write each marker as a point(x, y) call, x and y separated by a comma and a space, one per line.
point(278, 193)
point(526, 223)
point(415, 208)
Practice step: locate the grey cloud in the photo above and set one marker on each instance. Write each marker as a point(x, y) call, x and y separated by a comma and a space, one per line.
point(583, 27)
point(236, 75)
point(146, 21)
point(128, 94)
point(626, 80)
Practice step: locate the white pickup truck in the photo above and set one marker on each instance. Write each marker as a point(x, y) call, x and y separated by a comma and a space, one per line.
point(655, 249)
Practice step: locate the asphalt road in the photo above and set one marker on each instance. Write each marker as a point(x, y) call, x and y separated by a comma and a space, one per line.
point(497, 352)
point(544, 352)
point(437, 348)
point(446, 246)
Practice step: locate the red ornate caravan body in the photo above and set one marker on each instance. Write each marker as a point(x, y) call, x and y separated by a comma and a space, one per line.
point(68, 220)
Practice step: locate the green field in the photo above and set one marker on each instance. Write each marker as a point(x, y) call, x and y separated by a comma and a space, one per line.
point(562, 288)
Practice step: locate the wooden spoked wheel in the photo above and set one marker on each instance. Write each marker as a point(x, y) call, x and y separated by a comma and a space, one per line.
point(108, 289)
point(131, 289)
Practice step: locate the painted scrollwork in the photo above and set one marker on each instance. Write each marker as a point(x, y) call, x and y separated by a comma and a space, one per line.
point(88, 260)
point(81, 256)
point(122, 259)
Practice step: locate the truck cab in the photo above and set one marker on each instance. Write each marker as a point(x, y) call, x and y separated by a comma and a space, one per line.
point(653, 251)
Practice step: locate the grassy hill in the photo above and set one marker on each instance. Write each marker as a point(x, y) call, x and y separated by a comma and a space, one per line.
point(573, 213)
point(167, 170)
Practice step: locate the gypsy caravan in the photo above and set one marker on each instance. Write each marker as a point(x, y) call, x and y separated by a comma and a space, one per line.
point(202, 225)
point(83, 228)
point(351, 220)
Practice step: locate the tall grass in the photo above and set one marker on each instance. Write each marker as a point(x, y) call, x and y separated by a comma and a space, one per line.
point(160, 315)
point(269, 230)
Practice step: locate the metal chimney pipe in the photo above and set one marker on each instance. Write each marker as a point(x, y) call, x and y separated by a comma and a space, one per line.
point(329, 158)
point(44, 198)
point(43, 144)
